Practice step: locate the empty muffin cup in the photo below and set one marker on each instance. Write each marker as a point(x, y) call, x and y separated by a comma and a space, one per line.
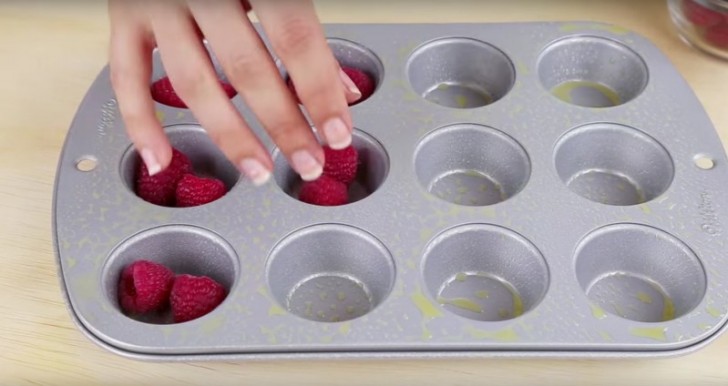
point(485, 272)
point(613, 164)
point(471, 165)
point(639, 273)
point(180, 248)
point(330, 273)
point(460, 73)
point(591, 71)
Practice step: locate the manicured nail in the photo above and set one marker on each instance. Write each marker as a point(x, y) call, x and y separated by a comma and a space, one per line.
point(306, 165)
point(349, 84)
point(255, 171)
point(150, 160)
point(337, 135)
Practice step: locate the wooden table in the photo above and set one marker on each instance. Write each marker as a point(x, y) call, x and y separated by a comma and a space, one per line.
point(51, 52)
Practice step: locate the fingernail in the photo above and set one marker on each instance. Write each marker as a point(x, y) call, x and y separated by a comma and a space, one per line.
point(306, 165)
point(150, 160)
point(349, 83)
point(337, 135)
point(255, 171)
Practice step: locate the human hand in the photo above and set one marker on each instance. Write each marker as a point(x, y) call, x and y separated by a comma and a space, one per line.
point(177, 27)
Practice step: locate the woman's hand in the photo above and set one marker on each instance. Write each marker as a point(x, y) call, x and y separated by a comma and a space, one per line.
point(177, 27)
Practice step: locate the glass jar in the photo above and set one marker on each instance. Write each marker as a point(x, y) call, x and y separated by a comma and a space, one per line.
point(702, 23)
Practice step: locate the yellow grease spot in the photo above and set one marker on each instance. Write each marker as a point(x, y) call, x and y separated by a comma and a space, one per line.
point(443, 86)
point(425, 234)
point(212, 325)
point(426, 333)
point(461, 101)
point(71, 262)
point(180, 115)
point(482, 294)
point(85, 286)
point(270, 333)
point(276, 310)
point(345, 328)
point(462, 303)
point(160, 116)
point(570, 27)
point(427, 309)
point(714, 312)
point(506, 335)
point(522, 68)
point(598, 312)
point(605, 335)
point(704, 327)
point(323, 295)
point(410, 264)
point(261, 290)
point(563, 91)
point(656, 333)
point(341, 296)
point(645, 208)
point(644, 298)
point(517, 304)
point(668, 310)
point(461, 277)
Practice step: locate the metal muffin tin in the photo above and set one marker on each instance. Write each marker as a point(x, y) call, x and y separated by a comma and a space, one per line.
point(525, 189)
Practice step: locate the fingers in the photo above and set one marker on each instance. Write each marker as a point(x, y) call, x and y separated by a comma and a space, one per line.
point(298, 39)
point(194, 79)
point(253, 73)
point(130, 67)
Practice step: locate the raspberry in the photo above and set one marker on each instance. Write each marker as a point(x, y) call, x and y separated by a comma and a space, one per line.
point(701, 15)
point(195, 296)
point(718, 36)
point(144, 286)
point(194, 191)
point(160, 188)
point(163, 92)
point(324, 191)
point(362, 80)
point(341, 164)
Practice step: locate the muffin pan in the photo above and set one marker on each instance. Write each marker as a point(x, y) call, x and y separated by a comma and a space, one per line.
point(526, 189)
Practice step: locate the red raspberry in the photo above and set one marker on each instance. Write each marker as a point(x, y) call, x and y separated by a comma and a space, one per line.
point(701, 15)
point(363, 82)
point(324, 191)
point(341, 164)
point(160, 188)
point(163, 92)
point(195, 296)
point(194, 191)
point(144, 286)
point(718, 36)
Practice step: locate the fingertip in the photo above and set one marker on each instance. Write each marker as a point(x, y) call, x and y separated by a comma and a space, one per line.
point(256, 172)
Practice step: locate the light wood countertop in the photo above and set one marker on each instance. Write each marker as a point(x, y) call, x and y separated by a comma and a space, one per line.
point(50, 53)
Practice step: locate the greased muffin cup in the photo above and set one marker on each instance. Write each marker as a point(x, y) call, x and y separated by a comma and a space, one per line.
point(523, 190)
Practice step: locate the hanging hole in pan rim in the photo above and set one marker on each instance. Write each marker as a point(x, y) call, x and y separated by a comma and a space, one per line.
point(87, 163)
point(704, 162)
